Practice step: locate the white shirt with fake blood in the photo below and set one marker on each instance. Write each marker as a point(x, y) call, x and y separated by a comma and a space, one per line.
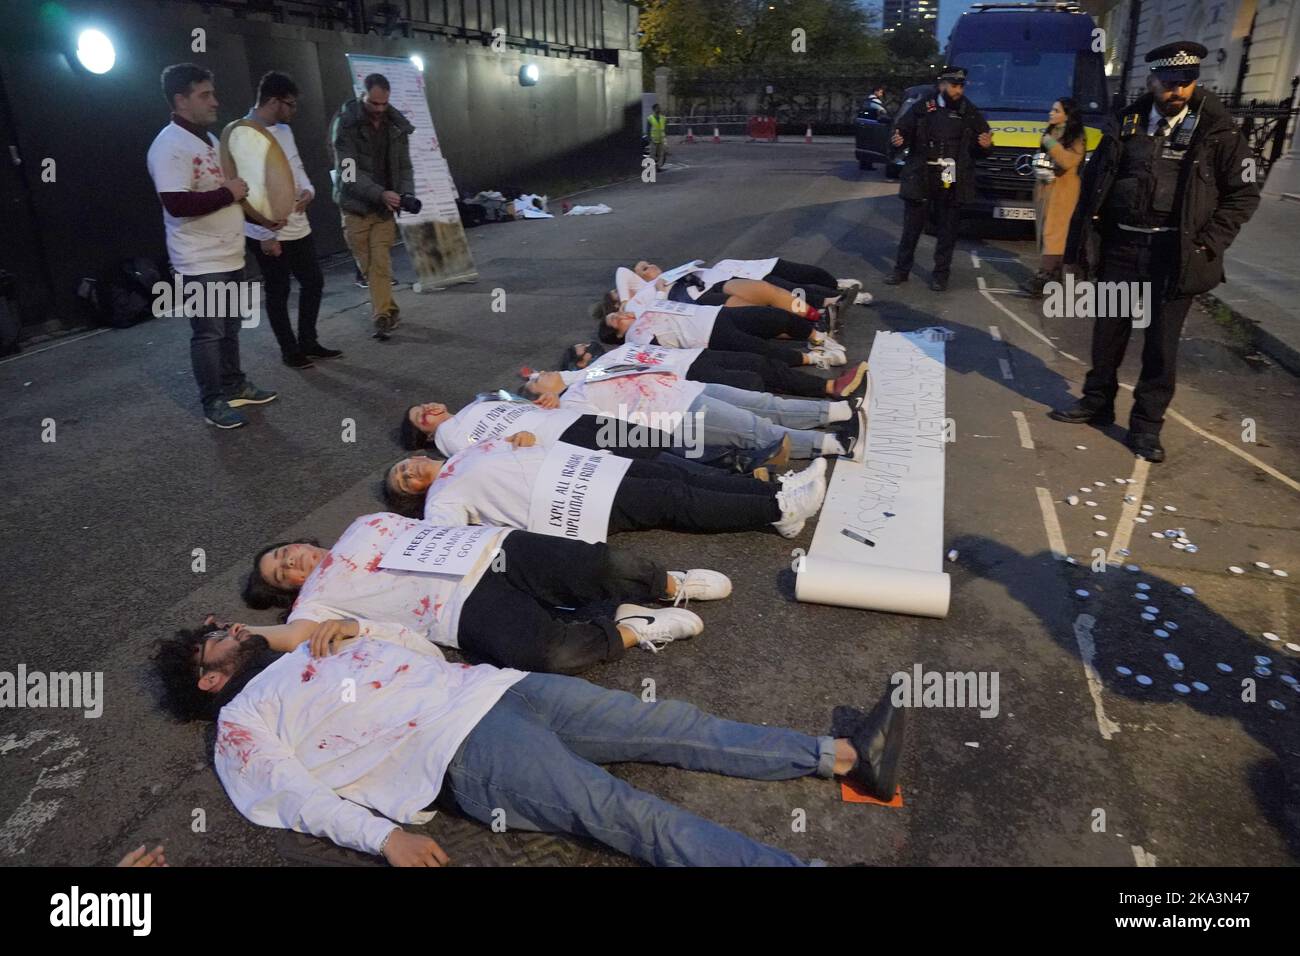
point(483, 420)
point(180, 162)
point(488, 483)
point(309, 744)
point(349, 583)
point(638, 399)
point(676, 325)
point(677, 361)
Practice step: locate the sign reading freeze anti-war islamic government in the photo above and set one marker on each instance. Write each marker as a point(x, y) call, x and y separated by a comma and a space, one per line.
point(434, 237)
point(574, 493)
point(435, 549)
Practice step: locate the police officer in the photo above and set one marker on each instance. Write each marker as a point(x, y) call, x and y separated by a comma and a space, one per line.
point(657, 124)
point(1163, 197)
point(943, 134)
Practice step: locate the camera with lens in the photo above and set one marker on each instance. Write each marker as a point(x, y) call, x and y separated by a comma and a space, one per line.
point(410, 203)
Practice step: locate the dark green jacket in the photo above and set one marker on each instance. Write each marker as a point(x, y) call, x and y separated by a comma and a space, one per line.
point(350, 134)
point(1217, 198)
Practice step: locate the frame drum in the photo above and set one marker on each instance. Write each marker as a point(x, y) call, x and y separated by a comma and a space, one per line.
point(250, 152)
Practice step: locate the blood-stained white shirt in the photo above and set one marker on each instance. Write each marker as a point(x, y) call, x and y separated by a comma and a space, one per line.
point(349, 583)
point(487, 419)
point(490, 482)
point(657, 399)
point(309, 743)
point(180, 162)
point(675, 325)
point(677, 361)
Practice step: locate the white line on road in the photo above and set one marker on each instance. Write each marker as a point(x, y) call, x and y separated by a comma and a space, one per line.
point(1181, 419)
point(996, 333)
point(1136, 487)
point(1083, 625)
point(1053, 527)
point(1022, 426)
point(1141, 857)
point(974, 259)
point(79, 338)
point(1006, 368)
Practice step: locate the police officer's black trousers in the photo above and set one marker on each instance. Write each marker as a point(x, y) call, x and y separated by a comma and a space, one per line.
point(1138, 258)
point(943, 207)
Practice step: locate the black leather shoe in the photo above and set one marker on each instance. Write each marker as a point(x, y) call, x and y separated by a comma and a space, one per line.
point(1082, 415)
point(320, 351)
point(1145, 445)
point(895, 278)
point(878, 738)
point(939, 285)
point(297, 360)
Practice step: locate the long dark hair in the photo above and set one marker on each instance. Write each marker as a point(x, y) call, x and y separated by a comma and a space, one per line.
point(1073, 121)
point(259, 593)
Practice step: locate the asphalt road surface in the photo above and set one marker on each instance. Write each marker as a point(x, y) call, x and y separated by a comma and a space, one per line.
point(1082, 765)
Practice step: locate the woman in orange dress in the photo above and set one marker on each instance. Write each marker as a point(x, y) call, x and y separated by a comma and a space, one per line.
point(1057, 189)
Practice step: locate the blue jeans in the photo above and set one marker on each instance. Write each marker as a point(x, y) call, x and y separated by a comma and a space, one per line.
point(214, 345)
point(734, 417)
point(535, 756)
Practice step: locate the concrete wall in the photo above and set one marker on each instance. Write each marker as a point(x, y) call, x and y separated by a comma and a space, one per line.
point(582, 119)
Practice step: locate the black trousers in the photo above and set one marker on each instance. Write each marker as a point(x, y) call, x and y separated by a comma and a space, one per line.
point(510, 619)
point(755, 328)
point(1128, 257)
point(817, 284)
point(675, 504)
point(943, 207)
point(586, 432)
point(757, 373)
point(297, 258)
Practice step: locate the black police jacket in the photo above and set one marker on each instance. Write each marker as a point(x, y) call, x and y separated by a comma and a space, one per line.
point(1217, 193)
point(914, 126)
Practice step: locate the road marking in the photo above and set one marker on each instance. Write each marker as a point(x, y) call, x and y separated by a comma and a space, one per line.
point(22, 827)
point(1022, 426)
point(974, 259)
point(996, 333)
point(1181, 419)
point(1053, 527)
point(79, 338)
point(1083, 625)
point(1006, 368)
point(1136, 487)
point(1141, 857)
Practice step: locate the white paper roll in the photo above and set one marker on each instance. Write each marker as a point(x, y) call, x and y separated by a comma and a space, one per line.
point(894, 590)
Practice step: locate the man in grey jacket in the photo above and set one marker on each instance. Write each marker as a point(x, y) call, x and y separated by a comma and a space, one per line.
point(372, 170)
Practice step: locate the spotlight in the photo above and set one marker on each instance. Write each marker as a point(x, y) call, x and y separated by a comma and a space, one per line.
point(95, 51)
point(418, 61)
point(529, 74)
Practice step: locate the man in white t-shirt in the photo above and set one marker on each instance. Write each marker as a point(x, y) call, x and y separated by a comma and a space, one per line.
point(293, 751)
point(503, 610)
point(290, 250)
point(205, 241)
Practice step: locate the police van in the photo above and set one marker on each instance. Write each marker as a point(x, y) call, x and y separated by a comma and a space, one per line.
point(1019, 59)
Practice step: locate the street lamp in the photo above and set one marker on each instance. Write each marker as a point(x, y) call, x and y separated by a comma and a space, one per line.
point(529, 74)
point(95, 51)
point(418, 61)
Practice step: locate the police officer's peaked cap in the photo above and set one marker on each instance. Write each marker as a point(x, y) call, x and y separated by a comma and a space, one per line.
point(955, 74)
point(1180, 60)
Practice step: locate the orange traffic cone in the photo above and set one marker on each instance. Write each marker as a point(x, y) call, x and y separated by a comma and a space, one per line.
point(717, 137)
point(690, 135)
point(807, 136)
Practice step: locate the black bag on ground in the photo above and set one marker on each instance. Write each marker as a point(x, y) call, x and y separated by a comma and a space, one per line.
point(123, 295)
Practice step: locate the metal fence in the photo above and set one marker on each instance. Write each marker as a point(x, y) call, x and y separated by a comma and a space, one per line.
point(1266, 124)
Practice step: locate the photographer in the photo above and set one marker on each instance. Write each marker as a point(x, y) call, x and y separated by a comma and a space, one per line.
point(372, 174)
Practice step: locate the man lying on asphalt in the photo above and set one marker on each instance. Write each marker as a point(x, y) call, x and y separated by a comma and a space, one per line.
point(312, 739)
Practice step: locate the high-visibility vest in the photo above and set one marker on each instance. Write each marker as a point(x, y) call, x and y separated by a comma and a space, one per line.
point(658, 127)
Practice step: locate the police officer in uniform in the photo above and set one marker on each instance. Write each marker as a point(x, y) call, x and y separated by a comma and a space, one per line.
point(1163, 197)
point(657, 124)
point(943, 134)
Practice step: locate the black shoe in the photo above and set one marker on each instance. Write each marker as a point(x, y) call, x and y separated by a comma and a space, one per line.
point(1083, 415)
point(297, 361)
point(938, 284)
point(1146, 445)
point(361, 281)
point(849, 433)
point(878, 738)
point(895, 278)
point(320, 351)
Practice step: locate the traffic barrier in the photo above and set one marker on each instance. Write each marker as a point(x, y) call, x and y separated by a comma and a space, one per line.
point(717, 136)
point(690, 136)
point(761, 128)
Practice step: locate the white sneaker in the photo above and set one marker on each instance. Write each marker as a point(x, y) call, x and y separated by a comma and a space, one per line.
point(799, 502)
point(700, 584)
point(863, 298)
point(830, 345)
point(793, 480)
point(656, 628)
point(827, 359)
point(847, 285)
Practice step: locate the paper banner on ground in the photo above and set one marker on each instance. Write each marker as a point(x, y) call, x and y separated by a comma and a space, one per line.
point(879, 539)
point(574, 493)
point(435, 549)
point(672, 275)
point(434, 237)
